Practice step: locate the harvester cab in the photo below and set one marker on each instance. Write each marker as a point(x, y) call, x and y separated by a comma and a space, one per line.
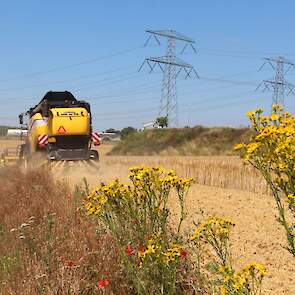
point(60, 126)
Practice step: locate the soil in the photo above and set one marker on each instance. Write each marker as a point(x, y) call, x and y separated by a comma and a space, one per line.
point(257, 235)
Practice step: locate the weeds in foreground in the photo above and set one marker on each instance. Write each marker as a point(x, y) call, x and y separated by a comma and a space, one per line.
point(47, 245)
point(137, 215)
point(212, 243)
point(157, 257)
point(272, 152)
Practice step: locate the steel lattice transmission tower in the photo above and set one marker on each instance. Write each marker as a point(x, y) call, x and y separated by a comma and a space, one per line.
point(171, 66)
point(279, 85)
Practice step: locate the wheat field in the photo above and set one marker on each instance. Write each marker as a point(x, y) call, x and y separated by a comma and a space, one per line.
point(220, 171)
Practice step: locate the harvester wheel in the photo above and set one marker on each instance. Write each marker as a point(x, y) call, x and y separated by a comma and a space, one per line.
point(94, 155)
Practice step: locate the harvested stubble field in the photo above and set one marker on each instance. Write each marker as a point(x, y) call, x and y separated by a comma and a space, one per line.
point(225, 187)
point(9, 143)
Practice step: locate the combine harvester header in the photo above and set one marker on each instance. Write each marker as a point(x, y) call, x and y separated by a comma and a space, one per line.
point(17, 132)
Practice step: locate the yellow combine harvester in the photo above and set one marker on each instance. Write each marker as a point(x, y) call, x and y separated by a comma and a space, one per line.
point(60, 127)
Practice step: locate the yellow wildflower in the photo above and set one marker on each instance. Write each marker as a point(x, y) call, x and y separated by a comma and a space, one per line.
point(213, 226)
point(239, 146)
point(274, 117)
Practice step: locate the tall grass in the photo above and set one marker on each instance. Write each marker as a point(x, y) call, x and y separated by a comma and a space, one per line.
point(47, 245)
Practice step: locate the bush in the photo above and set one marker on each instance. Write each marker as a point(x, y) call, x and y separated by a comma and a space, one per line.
point(125, 132)
point(185, 141)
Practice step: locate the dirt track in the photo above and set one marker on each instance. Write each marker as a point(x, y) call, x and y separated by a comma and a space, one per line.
point(256, 237)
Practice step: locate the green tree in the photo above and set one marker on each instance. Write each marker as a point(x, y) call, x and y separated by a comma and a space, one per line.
point(125, 132)
point(162, 121)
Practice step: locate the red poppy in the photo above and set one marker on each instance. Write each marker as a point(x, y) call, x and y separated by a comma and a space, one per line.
point(147, 237)
point(102, 283)
point(129, 250)
point(135, 222)
point(183, 254)
point(141, 249)
point(69, 197)
point(89, 234)
point(62, 259)
point(71, 263)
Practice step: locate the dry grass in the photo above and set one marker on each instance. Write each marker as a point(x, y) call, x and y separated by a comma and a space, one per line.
point(57, 250)
point(9, 143)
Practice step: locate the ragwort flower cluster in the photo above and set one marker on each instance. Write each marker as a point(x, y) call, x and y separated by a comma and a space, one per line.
point(153, 252)
point(246, 280)
point(137, 214)
point(213, 237)
point(272, 152)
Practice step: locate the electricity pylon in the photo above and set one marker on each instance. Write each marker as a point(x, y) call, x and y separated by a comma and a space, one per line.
point(279, 85)
point(171, 66)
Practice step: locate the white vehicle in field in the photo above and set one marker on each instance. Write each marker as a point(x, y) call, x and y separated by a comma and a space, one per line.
point(150, 125)
point(17, 132)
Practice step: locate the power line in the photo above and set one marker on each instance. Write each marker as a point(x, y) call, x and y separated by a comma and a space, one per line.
point(232, 103)
point(82, 77)
point(116, 79)
point(104, 82)
point(196, 104)
point(66, 80)
point(240, 53)
point(143, 88)
point(229, 81)
point(129, 93)
point(145, 99)
point(135, 113)
point(70, 66)
point(139, 112)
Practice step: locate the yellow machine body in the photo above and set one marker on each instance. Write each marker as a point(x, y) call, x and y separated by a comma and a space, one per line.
point(38, 125)
point(61, 127)
point(68, 121)
point(60, 122)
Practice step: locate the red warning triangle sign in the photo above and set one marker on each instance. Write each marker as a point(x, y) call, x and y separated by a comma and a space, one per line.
point(61, 130)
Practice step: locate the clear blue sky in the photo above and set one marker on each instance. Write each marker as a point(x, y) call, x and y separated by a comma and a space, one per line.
point(94, 49)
